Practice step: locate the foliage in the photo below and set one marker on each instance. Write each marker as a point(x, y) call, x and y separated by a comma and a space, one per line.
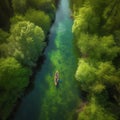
point(26, 42)
point(11, 85)
point(107, 73)
point(42, 19)
point(94, 111)
point(3, 40)
point(17, 18)
point(8, 67)
point(19, 6)
point(111, 15)
point(98, 88)
point(21, 43)
point(3, 36)
point(86, 20)
point(96, 29)
point(46, 5)
point(39, 18)
point(100, 48)
point(85, 74)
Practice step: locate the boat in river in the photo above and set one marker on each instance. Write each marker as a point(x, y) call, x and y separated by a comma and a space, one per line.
point(56, 78)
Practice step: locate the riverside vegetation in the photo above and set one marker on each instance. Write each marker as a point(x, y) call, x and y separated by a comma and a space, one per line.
point(96, 32)
point(23, 28)
point(24, 25)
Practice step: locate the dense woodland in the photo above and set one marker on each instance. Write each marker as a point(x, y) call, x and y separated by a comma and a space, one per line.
point(96, 30)
point(24, 25)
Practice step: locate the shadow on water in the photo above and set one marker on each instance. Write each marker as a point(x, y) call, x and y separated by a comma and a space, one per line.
point(46, 101)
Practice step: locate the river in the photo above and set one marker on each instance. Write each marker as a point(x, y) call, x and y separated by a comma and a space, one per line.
point(45, 101)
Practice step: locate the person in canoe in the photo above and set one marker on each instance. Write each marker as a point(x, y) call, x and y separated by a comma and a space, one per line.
point(56, 78)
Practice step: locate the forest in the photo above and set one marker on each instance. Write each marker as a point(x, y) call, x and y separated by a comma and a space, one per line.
point(96, 32)
point(24, 25)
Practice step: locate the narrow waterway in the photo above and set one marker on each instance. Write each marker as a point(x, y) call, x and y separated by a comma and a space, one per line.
point(45, 101)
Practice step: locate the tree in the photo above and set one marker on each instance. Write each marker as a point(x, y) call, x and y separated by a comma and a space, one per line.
point(89, 46)
point(13, 80)
point(39, 18)
point(19, 6)
point(86, 20)
point(3, 36)
point(108, 49)
point(47, 6)
point(13, 75)
point(107, 74)
point(94, 111)
point(111, 16)
point(99, 48)
point(26, 42)
point(3, 40)
point(17, 18)
point(85, 74)
point(97, 31)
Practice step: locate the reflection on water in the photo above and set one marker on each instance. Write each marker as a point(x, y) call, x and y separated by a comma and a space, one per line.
point(45, 101)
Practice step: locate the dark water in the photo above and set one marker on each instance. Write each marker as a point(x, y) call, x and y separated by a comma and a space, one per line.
point(45, 101)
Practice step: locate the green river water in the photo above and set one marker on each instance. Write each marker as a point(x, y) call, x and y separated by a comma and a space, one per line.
point(45, 101)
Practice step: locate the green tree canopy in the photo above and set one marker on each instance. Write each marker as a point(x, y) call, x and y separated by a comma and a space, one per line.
point(17, 18)
point(99, 48)
point(39, 18)
point(3, 40)
point(94, 111)
point(13, 80)
point(19, 6)
point(86, 20)
point(85, 74)
point(26, 42)
point(97, 33)
point(46, 5)
point(8, 80)
point(107, 73)
point(3, 36)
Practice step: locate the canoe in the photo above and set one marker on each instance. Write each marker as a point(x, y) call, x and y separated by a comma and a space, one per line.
point(56, 78)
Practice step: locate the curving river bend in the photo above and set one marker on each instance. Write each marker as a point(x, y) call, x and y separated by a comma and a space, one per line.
point(45, 101)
